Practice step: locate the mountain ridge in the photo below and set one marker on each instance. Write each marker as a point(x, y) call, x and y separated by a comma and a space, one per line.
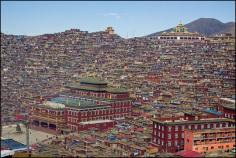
point(205, 26)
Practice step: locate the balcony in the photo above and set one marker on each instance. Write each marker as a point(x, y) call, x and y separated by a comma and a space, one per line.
point(46, 115)
point(226, 137)
point(205, 142)
point(50, 119)
point(204, 138)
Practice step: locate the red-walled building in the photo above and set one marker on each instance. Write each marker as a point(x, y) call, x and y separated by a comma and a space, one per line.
point(89, 104)
point(209, 140)
point(227, 106)
point(168, 135)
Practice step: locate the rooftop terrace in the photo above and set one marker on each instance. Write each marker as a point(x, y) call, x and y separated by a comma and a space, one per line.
point(97, 89)
point(228, 100)
point(181, 122)
point(228, 129)
point(78, 86)
point(92, 80)
point(68, 101)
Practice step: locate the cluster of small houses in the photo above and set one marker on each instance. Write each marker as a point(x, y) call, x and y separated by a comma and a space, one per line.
point(164, 77)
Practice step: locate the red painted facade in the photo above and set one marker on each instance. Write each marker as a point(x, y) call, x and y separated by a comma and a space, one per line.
point(98, 125)
point(169, 135)
point(109, 104)
point(209, 140)
point(227, 106)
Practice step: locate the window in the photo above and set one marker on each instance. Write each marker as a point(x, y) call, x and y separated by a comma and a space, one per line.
point(227, 146)
point(159, 127)
point(195, 126)
point(155, 126)
point(162, 143)
point(189, 126)
point(158, 141)
point(162, 128)
point(212, 147)
point(226, 124)
point(214, 125)
point(182, 135)
point(220, 125)
point(169, 136)
point(169, 143)
point(162, 135)
point(169, 128)
point(208, 126)
point(202, 126)
point(176, 128)
point(176, 143)
point(159, 134)
point(176, 135)
point(182, 127)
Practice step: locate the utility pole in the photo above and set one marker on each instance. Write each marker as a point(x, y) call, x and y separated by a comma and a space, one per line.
point(26, 122)
point(27, 136)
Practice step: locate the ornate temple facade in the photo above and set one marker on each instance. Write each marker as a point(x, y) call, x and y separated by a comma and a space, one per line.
point(89, 104)
point(181, 33)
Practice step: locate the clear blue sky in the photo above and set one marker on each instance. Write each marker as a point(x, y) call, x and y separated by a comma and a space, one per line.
point(127, 18)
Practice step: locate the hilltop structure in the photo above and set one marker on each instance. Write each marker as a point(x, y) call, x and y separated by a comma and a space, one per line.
point(181, 33)
point(110, 30)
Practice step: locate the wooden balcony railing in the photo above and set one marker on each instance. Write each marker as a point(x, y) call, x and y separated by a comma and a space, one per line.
point(50, 119)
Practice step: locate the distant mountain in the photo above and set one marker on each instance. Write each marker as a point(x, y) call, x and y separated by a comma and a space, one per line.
point(206, 26)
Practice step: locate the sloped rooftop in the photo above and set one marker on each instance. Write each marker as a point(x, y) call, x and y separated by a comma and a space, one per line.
point(73, 102)
point(93, 80)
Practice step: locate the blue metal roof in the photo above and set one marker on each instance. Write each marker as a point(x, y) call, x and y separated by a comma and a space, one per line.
point(12, 144)
point(213, 112)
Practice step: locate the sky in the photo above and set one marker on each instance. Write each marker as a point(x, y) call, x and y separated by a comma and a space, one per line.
point(128, 18)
